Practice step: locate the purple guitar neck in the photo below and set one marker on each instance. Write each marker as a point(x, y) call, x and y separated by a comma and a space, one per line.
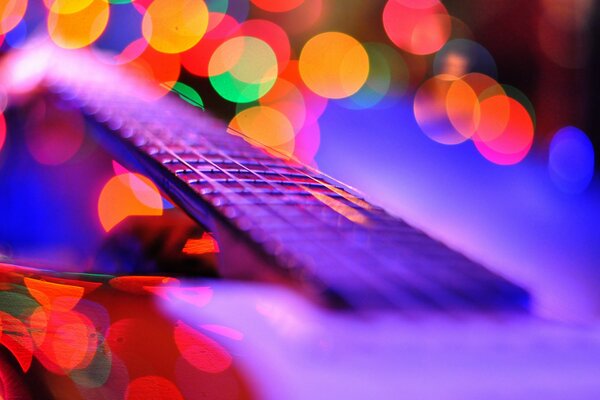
point(275, 219)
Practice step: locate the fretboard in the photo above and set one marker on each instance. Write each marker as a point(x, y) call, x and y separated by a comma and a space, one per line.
point(306, 226)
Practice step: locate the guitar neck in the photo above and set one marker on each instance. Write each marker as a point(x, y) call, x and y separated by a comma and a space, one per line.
point(304, 225)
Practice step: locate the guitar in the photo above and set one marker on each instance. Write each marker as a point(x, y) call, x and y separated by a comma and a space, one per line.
point(324, 294)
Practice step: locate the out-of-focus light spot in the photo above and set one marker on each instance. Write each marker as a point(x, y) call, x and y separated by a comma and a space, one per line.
point(334, 65)
point(270, 33)
point(515, 138)
point(54, 296)
point(201, 351)
point(221, 27)
point(277, 5)
point(120, 198)
point(243, 69)
point(204, 245)
point(64, 340)
point(445, 112)
point(11, 13)
point(18, 36)
point(81, 28)
point(224, 331)
point(152, 387)
point(15, 336)
point(186, 93)
point(173, 26)
point(2, 130)
point(421, 27)
point(53, 136)
point(266, 128)
point(461, 56)
point(571, 160)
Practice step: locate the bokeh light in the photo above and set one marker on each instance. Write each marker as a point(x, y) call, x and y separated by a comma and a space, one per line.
point(73, 30)
point(265, 127)
point(11, 13)
point(446, 110)
point(173, 26)
point(127, 195)
point(270, 33)
point(334, 65)
point(504, 138)
point(243, 69)
point(420, 27)
point(571, 160)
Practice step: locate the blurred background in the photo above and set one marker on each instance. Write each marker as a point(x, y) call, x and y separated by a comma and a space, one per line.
point(475, 121)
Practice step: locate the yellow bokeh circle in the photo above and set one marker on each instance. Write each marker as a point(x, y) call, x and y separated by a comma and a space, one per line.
point(81, 28)
point(173, 26)
point(265, 127)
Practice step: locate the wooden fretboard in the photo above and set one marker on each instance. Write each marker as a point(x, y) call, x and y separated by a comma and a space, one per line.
point(305, 226)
